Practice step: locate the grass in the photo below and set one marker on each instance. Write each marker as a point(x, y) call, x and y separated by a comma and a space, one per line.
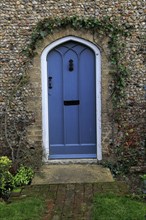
point(17, 190)
point(24, 209)
point(105, 206)
point(114, 207)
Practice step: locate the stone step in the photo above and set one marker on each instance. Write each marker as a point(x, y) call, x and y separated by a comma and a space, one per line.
point(72, 173)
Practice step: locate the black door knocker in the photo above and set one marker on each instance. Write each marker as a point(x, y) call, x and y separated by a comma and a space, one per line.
point(71, 65)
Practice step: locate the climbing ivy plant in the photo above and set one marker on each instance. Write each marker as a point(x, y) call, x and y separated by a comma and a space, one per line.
point(104, 27)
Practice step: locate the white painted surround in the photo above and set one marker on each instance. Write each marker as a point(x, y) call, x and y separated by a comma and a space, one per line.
point(45, 108)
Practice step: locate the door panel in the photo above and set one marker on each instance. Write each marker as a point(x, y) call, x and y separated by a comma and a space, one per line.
point(72, 128)
point(55, 99)
point(70, 78)
point(87, 95)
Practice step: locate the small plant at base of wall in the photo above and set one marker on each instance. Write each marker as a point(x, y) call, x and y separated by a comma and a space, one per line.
point(23, 176)
point(6, 178)
point(143, 177)
point(8, 181)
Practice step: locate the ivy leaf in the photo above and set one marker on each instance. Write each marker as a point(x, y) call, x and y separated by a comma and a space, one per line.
point(43, 34)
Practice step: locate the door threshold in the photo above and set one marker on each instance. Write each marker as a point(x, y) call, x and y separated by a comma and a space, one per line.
point(72, 161)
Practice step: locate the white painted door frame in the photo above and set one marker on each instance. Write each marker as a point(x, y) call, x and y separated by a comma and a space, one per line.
point(45, 108)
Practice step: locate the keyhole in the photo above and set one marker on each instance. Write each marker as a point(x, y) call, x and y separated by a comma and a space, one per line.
point(71, 65)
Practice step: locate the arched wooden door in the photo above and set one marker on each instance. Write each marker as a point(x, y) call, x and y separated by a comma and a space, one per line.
point(72, 101)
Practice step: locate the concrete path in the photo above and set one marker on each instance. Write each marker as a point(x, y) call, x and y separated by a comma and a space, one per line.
point(72, 173)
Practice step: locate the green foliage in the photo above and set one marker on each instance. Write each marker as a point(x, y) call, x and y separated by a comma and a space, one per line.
point(143, 177)
point(125, 158)
point(6, 178)
point(128, 150)
point(23, 176)
point(24, 209)
point(112, 207)
point(104, 27)
point(5, 163)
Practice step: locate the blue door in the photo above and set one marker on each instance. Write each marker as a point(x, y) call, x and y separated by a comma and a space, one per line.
point(71, 92)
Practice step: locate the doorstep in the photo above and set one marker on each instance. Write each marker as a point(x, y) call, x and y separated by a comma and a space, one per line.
point(72, 173)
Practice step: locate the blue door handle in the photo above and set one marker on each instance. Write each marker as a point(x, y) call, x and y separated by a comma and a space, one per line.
point(50, 82)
